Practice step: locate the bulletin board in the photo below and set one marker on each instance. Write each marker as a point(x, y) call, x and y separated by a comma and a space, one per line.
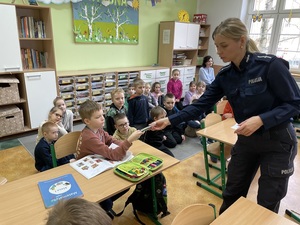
point(106, 21)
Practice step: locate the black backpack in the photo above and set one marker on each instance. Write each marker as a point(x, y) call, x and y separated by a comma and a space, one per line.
point(141, 198)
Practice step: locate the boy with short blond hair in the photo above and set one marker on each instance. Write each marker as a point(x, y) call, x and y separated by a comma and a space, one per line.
point(94, 140)
point(77, 211)
point(42, 151)
point(117, 106)
point(138, 107)
point(157, 137)
point(123, 128)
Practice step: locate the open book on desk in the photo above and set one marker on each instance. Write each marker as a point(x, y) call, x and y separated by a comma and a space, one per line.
point(92, 165)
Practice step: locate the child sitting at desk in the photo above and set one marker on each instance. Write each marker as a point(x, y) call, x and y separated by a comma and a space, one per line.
point(42, 152)
point(123, 128)
point(77, 211)
point(94, 140)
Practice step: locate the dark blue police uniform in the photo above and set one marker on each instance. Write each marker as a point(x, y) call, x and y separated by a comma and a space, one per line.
point(264, 87)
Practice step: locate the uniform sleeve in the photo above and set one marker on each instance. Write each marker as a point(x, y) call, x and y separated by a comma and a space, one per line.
point(286, 93)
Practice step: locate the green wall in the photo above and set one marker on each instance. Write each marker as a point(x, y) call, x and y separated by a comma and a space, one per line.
point(72, 56)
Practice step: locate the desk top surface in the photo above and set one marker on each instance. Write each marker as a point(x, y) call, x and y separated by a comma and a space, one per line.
point(221, 131)
point(244, 211)
point(21, 201)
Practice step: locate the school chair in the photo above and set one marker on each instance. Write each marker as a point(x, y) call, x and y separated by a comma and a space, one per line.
point(195, 214)
point(3, 180)
point(213, 150)
point(64, 146)
point(220, 107)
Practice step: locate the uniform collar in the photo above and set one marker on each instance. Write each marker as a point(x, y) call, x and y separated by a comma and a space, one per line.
point(245, 61)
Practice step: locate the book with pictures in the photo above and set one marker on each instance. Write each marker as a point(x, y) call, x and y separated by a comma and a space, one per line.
point(59, 188)
point(92, 165)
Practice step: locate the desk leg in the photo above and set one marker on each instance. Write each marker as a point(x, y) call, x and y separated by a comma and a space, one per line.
point(208, 179)
point(223, 166)
point(153, 216)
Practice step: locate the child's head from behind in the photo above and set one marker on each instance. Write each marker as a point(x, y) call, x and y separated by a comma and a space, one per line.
point(192, 86)
point(50, 131)
point(157, 113)
point(176, 74)
point(55, 114)
point(60, 103)
point(91, 114)
point(77, 211)
point(147, 88)
point(169, 101)
point(201, 87)
point(121, 123)
point(156, 87)
point(139, 86)
point(118, 97)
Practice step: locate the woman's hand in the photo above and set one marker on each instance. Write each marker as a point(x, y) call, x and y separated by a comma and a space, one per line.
point(160, 124)
point(249, 126)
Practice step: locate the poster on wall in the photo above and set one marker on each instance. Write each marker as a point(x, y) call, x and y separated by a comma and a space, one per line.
point(106, 21)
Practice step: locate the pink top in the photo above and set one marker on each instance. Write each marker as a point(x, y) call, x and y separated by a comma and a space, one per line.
point(98, 143)
point(175, 87)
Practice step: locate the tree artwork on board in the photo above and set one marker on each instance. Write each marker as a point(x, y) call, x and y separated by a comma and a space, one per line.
point(106, 21)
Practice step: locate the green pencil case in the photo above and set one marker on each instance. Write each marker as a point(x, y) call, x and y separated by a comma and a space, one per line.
point(138, 167)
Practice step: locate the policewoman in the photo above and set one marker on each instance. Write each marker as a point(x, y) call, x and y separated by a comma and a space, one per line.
point(264, 97)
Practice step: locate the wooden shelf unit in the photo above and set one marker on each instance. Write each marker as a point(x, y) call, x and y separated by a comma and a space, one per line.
point(37, 86)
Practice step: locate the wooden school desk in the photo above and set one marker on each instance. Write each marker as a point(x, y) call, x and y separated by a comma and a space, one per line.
point(223, 133)
point(21, 202)
point(246, 212)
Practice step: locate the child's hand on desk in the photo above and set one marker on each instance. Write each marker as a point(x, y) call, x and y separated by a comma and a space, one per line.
point(183, 137)
point(135, 136)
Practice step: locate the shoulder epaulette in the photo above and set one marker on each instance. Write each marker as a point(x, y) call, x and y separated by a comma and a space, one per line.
point(264, 57)
point(224, 69)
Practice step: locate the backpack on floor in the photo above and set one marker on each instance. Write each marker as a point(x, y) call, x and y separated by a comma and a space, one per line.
point(141, 198)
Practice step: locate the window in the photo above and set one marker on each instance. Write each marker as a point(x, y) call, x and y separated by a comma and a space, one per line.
point(275, 27)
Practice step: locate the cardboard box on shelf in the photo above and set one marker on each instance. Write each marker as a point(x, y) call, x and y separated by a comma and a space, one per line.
point(11, 120)
point(9, 92)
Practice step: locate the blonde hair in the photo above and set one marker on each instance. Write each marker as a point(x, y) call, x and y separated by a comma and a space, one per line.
point(234, 28)
point(87, 109)
point(77, 211)
point(115, 91)
point(156, 111)
point(46, 127)
point(53, 110)
point(57, 99)
point(137, 82)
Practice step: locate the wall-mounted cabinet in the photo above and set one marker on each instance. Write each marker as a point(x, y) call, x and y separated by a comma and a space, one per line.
point(27, 53)
point(178, 43)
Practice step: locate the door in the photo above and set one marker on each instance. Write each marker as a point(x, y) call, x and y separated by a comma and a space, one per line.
point(40, 92)
point(180, 35)
point(10, 56)
point(192, 36)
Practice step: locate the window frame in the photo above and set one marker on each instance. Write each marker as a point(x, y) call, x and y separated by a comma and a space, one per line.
point(278, 14)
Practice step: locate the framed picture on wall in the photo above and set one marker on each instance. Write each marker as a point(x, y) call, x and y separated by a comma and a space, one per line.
point(106, 21)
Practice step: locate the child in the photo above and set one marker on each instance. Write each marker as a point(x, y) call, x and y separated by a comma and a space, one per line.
point(42, 152)
point(123, 130)
point(189, 94)
point(130, 91)
point(151, 100)
point(117, 106)
point(174, 86)
point(94, 140)
point(77, 211)
point(138, 107)
point(156, 138)
point(200, 88)
point(174, 134)
point(54, 116)
point(67, 116)
point(157, 93)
